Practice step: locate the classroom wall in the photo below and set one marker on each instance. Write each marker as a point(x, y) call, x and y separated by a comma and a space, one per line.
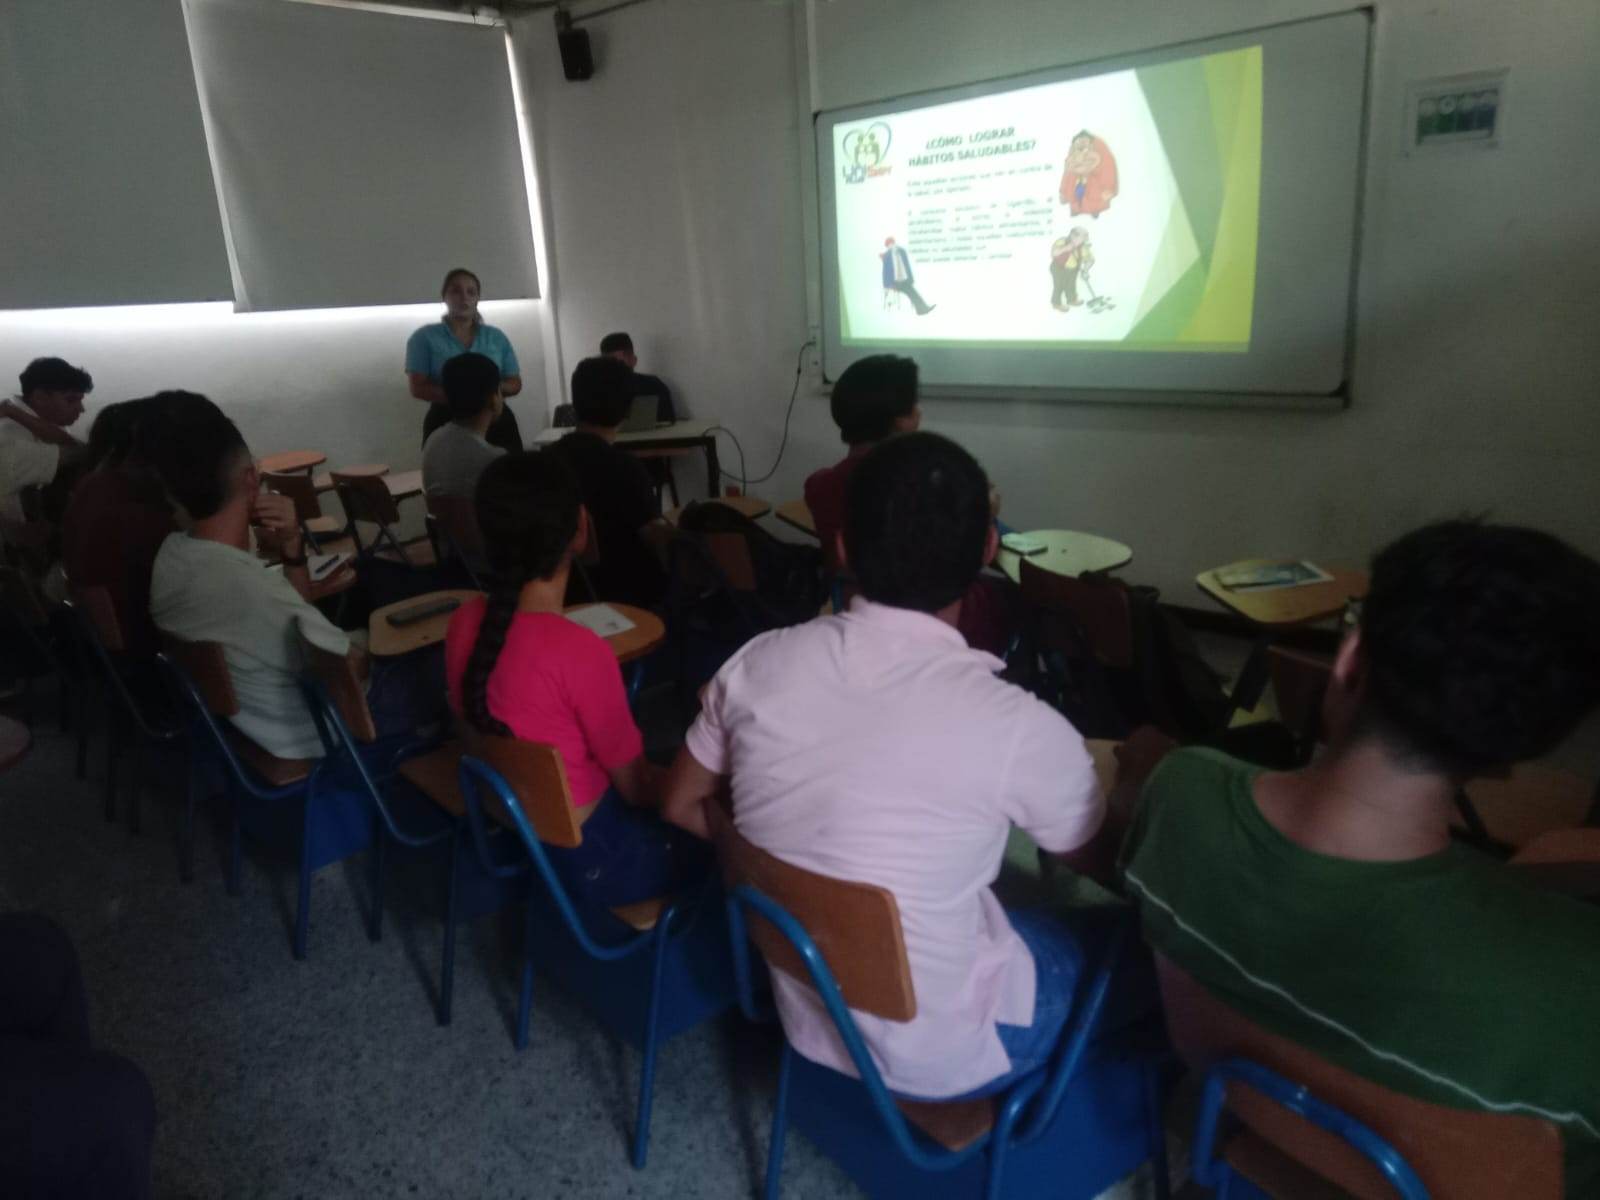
point(331, 380)
point(675, 187)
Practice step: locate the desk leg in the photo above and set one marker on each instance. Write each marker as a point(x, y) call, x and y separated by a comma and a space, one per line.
point(713, 467)
point(1253, 678)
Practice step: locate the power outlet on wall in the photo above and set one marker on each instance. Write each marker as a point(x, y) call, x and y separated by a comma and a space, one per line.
point(813, 359)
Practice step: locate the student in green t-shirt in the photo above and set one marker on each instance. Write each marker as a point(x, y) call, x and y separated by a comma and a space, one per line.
point(1331, 906)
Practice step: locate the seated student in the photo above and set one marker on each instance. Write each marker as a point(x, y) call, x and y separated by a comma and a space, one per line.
point(76, 1122)
point(35, 447)
point(117, 519)
point(875, 398)
point(1331, 906)
point(456, 453)
point(620, 347)
point(876, 746)
point(517, 668)
point(206, 586)
point(615, 486)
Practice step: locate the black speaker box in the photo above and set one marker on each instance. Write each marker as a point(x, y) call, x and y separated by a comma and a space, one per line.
point(577, 59)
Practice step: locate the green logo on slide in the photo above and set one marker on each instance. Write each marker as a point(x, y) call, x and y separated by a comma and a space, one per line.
point(865, 151)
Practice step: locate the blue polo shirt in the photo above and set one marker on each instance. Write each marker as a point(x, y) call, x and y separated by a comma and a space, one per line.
point(429, 348)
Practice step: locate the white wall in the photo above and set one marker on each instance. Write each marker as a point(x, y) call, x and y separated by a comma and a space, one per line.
point(674, 182)
point(330, 380)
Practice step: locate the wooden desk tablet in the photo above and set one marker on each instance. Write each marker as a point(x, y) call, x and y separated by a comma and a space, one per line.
point(680, 435)
point(1283, 607)
point(404, 483)
point(798, 514)
point(1067, 552)
point(751, 506)
point(362, 470)
point(292, 460)
point(386, 641)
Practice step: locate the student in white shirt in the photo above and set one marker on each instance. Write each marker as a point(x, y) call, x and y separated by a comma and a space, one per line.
point(207, 586)
point(34, 443)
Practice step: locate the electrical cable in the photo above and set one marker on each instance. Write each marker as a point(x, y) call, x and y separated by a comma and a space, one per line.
point(743, 476)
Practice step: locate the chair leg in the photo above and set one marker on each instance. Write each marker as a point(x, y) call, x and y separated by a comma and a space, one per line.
point(113, 738)
point(83, 733)
point(186, 830)
point(136, 790)
point(519, 1038)
point(780, 1124)
point(375, 921)
point(652, 1035)
point(447, 968)
point(302, 911)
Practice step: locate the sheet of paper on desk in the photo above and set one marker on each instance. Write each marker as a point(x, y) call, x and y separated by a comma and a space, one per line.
point(601, 618)
point(1272, 576)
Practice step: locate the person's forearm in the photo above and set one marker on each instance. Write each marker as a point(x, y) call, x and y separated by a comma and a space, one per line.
point(1097, 858)
point(510, 385)
point(426, 390)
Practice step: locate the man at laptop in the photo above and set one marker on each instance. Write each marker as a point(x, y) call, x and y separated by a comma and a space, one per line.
point(620, 347)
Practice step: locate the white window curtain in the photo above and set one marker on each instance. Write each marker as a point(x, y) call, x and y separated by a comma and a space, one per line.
point(105, 188)
point(360, 155)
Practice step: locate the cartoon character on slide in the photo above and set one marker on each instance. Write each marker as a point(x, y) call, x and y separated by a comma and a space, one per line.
point(897, 276)
point(1089, 180)
point(1069, 257)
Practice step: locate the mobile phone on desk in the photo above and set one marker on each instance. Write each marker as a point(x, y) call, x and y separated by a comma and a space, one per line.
point(1023, 544)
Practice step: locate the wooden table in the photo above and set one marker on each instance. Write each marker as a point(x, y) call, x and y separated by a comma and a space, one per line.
point(798, 514)
point(366, 470)
point(292, 460)
point(751, 506)
point(386, 641)
point(1066, 552)
point(14, 742)
point(1273, 609)
point(680, 435)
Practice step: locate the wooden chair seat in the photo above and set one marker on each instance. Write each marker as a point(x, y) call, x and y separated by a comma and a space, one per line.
point(321, 527)
point(954, 1124)
point(438, 777)
point(1563, 860)
point(641, 915)
point(1532, 800)
point(278, 772)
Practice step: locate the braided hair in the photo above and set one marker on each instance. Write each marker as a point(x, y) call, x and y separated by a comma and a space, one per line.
point(527, 507)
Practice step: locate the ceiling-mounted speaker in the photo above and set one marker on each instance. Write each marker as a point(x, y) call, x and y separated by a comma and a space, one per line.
point(577, 58)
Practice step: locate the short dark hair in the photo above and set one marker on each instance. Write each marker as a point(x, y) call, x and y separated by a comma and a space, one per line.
point(1482, 645)
point(870, 394)
point(916, 521)
point(54, 375)
point(452, 273)
point(469, 382)
point(194, 447)
point(602, 392)
point(612, 342)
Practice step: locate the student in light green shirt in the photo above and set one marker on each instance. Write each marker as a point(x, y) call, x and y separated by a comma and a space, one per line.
point(1331, 906)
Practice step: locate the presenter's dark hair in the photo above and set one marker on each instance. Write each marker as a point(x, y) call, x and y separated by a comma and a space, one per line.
point(1481, 643)
point(194, 448)
point(916, 521)
point(612, 342)
point(870, 394)
point(527, 506)
point(602, 392)
point(470, 382)
point(452, 273)
point(54, 375)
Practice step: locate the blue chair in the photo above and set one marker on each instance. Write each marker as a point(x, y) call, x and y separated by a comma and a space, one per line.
point(1217, 1173)
point(1073, 1127)
point(130, 707)
point(297, 803)
point(648, 971)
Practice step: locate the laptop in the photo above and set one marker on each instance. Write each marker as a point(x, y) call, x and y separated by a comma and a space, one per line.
point(642, 416)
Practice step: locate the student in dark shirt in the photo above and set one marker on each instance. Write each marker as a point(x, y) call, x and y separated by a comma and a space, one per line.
point(615, 486)
point(620, 347)
point(117, 519)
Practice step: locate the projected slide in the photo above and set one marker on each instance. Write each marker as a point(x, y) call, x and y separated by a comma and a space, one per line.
point(1117, 211)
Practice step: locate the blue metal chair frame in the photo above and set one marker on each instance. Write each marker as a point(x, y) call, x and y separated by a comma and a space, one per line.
point(249, 791)
point(1025, 1111)
point(119, 700)
point(1214, 1172)
point(343, 749)
point(674, 924)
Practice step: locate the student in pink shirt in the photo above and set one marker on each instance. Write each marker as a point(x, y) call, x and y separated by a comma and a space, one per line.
point(877, 746)
point(517, 668)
